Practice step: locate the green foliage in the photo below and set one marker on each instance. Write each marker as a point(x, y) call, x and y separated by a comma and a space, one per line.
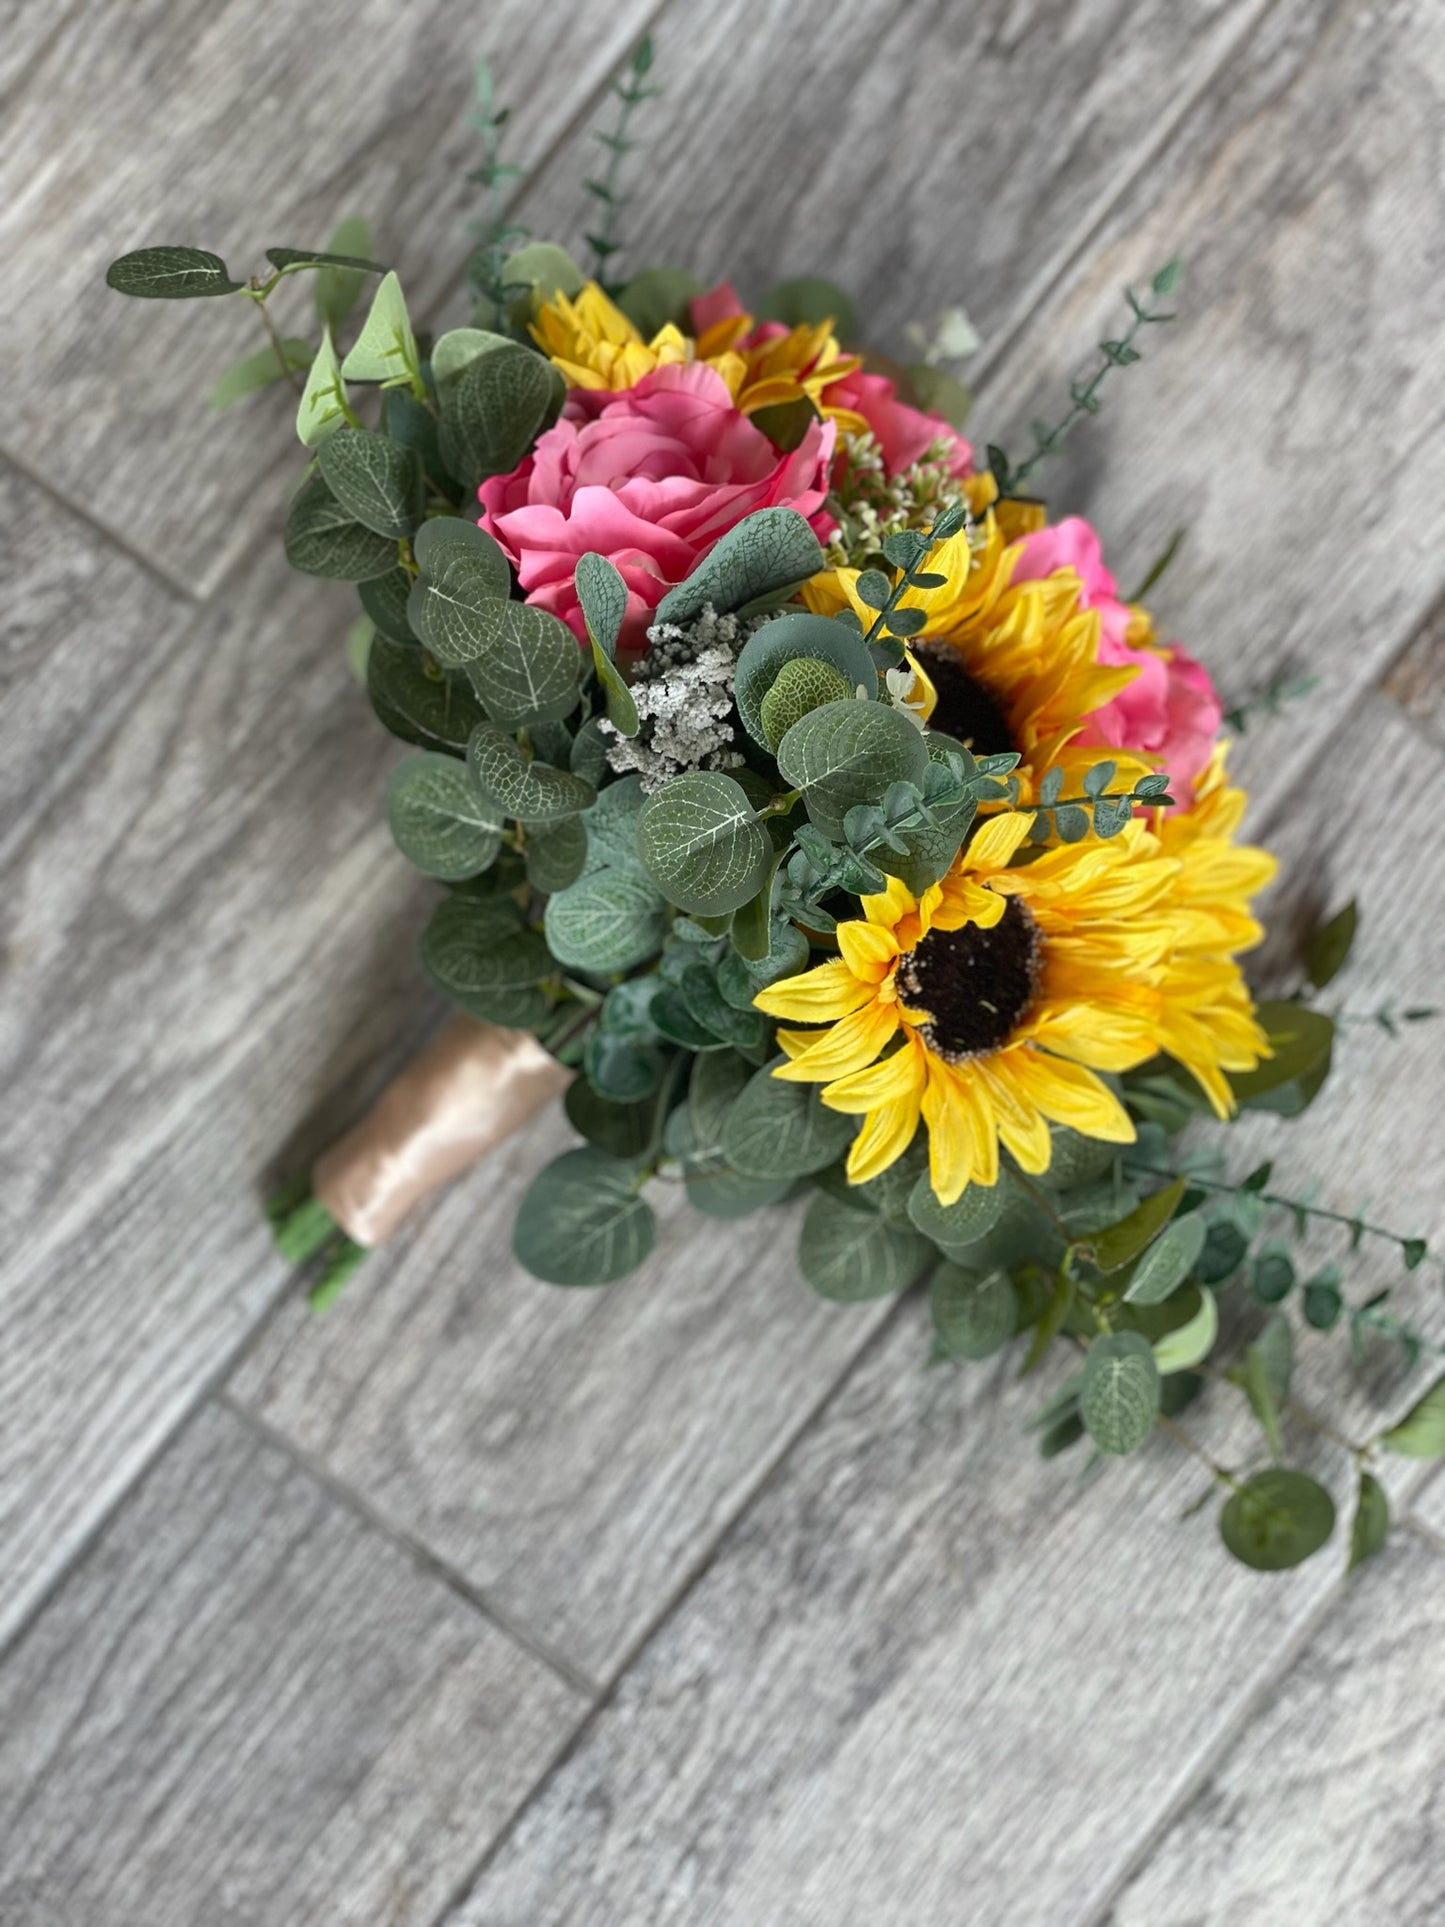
point(847, 753)
point(631, 89)
point(796, 638)
point(1191, 1342)
point(758, 562)
point(971, 1216)
point(1269, 701)
point(659, 296)
point(439, 819)
point(383, 601)
point(523, 662)
point(800, 685)
point(1167, 1262)
point(170, 274)
point(849, 1255)
point(324, 405)
point(1119, 1393)
point(972, 1317)
point(376, 480)
point(324, 538)
point(1421, 1433)
point(279, 362)
point(1125, 1241)
point(416, 700)
point(1277, 1519)
point(482, 956)
point(582, 1222)
point(808, 300)
point(341, 275)
point(781, 1129)
point(603, 596)
point(620, 1130)
point(530, 790)
point(606, 920)
point(1119, 352)
point(555, 854)
point(385, 350)
point(1288, 1081)
point(1371, 1525)
point(1329, 946)
point(1264, 1377)
point(494, 233)
point(701, 842)
point(494, 409)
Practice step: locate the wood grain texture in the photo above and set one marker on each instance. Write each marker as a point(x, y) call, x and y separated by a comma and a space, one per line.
point(205, 930)
point(1329, 1808)
point(1416, 678)
point(248, 1707)
point(953, 156)
point(1290, 419)
point(573, 1453)
point(921, 1682)
point(235, 127)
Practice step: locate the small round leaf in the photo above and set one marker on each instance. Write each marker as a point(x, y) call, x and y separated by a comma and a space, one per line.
point(1277, 1519)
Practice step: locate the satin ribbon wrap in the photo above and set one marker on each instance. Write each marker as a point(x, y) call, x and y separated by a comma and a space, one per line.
point(473, 1086)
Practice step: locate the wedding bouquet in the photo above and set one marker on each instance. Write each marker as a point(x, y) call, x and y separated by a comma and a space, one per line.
point(817, 814)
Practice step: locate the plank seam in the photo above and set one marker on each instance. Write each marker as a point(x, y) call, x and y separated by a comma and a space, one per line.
point(148, 564)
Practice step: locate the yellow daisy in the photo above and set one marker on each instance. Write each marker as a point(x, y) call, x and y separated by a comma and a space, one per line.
point(1013, 666)
point(986, 1006)
point(596, 346)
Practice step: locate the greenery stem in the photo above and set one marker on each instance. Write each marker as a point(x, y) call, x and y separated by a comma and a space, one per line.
point(1296, 1205)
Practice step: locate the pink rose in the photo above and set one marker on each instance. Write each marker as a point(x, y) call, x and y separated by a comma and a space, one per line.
point(651, 480)
point(1171, 709)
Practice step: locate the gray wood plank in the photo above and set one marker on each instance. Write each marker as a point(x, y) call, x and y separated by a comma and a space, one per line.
point(1290, 419)
point(1329, 1807)
point(956, 156)
point(247, 1706)
point(1416, 678)
point(573, 1453)
point(205, 932)
point(919, 1683)
point(234, 127)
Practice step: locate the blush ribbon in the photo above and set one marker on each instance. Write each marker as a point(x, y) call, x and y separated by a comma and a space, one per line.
point(473, 1086)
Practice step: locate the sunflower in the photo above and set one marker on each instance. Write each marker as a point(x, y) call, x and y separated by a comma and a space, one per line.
point(987, 1006)
point(1014, 666)
point(594, 344)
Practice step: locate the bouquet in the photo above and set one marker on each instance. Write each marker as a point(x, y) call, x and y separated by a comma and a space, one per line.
point(815, 812)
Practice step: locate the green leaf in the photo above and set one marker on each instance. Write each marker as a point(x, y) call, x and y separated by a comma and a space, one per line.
point(972, 1317)
point(1167, 1262)
point(940, 393)
point(971, 1216)
point(338, 289)
point(170, 274)
point(455, 351)
point(802, 684)
point(522, 661)
point(766, 554)
point(581, 1221)
point(1259, 1377)
point(701, 842)
point(322, 408)
point(317, 258)
point(494, 411)
point(1051, 1320)
point(795, 638)
point(747, 1029)
point(1421, 1433)
point(1272, 1273)
point(376, 480)
point(724, 1194)
point(417, 702)
point(1179, 1350)
point(323, 538)
point(612, 826)
point(781, 1129)
point(622, 1130)
point(261, 370)
point(607, 920)
point(1372, 1520)
point(620, 1067)
point(809, 299)
point(1277, 1519)
point(659, 296)
point(1121, 1243)
point(385, 350)
point(1330, 945)
point(485, 961)
point(847, 753)
point(447, 543)
point(849, 1255)
point(603, 594)
point(1302, 1041)
point(439, 819)
point(383, 599)
point(532, 791)
point(544, 267)
point(1119, 1393)
point(555, 854)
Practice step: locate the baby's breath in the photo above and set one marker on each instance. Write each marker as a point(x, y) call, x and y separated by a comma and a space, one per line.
point(870, 504)
point(683, 690)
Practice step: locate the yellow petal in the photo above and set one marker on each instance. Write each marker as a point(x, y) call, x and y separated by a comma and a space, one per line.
point(846, 1046)
point(869, 950)
point(1071, 1095)
point(900, 1075)
point(998, 842)
point(1020, 1124)
point(962, 1135)
point(885, 1136)
point(815, 996)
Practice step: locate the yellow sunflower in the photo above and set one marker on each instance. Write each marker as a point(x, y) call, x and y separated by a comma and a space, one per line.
point(595, 346)
point(1010, 665)
point(986, 1006)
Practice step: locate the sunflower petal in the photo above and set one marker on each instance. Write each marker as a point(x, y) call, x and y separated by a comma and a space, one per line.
point(1071, 1095)
point(886, 1134)
point(900, 1075)
point(868, 949)
point(817, 996)
point(847, 1046)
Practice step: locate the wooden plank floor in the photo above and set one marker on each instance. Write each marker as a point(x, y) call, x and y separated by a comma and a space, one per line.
point(477, 1605)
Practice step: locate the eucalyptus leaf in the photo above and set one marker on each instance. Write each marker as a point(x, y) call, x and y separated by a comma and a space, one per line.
point(1119, 1393)
point(1302, 1042)
point(376, 480)
point(323, 538)
point(1179, 1350)
point(782, 1129)
point(971, 1216)
point(170, 274)
point(795, 638)
point(612, 826)
point(1167, 1262)
point(1371, 1525)
point(659, 296)
point(606, 920)
point(1121, 1243)
point(489, 966)
point(602, 593)
point(455, 351)
point(766, 553)
point(555, 854)
point(337, 290)
point(1277, 1519)
point(1421, 1433)
point(700, 840)
point(748, 1029)
point(440, 820)
point(261, 370)
point(532, 791)
point(972, 1317)
point(385, 350)
point(1330, 946)
point(849, 1255)
point(847, 753)
point(415, 700)
point(582, 1221)
point(494, 411)
point(622, 1130)
point(808, 300)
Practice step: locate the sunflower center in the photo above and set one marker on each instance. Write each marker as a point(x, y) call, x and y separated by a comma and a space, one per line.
point(966, 711)
point(975, 984)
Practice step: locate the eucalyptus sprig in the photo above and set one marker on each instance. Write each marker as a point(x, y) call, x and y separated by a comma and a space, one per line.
point(1269, 701)
point(495, 235)
point(1104, 810)
point(1084, 394)
point(907, 550)
point(631, 90)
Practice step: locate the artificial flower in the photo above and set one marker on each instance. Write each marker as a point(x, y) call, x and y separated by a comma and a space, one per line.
point(650, 480)
point(595, 346)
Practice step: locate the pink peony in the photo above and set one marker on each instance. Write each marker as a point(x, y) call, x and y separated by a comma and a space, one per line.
point(903, 433)
point(650, 479)
point(1171, 709)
